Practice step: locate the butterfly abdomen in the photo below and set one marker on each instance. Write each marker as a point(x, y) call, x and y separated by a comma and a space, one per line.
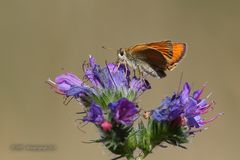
point(161, 73)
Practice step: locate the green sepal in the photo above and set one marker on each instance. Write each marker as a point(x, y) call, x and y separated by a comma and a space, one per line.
point(177, 135)
point(121, 140)
point(166, 132)
point(106, 96)
point(87, 99)
point(144, 138)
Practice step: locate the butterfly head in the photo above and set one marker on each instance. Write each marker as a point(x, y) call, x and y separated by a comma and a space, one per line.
point(121, 54)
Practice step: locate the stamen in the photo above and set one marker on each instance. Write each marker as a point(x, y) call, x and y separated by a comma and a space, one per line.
point(206, 108)
point(198, 130)
point(212, 119)
point(50, 82)
point(209, 95)
point(78, 125)
point(85, 80)
point(180, 82)
point(54, 87)
point(110, 75)
point(65, 102)
point(81, 112)
point(83, 66)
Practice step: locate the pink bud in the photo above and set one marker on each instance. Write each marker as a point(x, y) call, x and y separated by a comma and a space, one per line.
point(106, 126)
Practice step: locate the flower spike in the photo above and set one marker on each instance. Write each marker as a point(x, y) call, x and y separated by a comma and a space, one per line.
point(109, 96)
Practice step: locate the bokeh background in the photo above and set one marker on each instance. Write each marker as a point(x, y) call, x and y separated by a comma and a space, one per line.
point(40, 37)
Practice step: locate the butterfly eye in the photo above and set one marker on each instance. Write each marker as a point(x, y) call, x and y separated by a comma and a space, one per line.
point(121, 52)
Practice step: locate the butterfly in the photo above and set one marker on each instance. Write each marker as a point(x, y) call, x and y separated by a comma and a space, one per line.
point(153, 58)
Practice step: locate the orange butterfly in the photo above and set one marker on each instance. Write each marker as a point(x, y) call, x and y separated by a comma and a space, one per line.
point(153, 58)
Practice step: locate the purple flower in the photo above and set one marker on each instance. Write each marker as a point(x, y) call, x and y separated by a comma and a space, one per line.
point(66, 81)
point(120, 75)
point(110, 76)
point(160, 114)
point(124, 111)
point(104, 84)
point(91, 72)
point(139, 85)
point(189, 107)
point(79, 91)
point(114, 76)
point(69, 84)
point(170, 108)
point(92, 61)
point(94, 115)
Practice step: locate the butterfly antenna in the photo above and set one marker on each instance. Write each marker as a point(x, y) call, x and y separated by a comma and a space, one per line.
point(110, 49)
point(180, 83)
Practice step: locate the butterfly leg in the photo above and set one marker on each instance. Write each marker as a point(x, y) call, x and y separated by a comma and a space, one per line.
point(116, 66)
point(170, 68)
point(126, 68)
point(142, 76)
point(140, 73)
point(134, 72)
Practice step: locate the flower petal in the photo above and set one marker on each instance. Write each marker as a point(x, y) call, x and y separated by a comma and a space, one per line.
point(65, 82)
point(94, 115)
point(124, 111)
point(185, 93)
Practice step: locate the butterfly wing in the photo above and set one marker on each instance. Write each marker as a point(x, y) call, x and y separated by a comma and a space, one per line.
point(172, 52)
point(179, 50)
point(150, 57)
point(159, 55)
point(164, 47)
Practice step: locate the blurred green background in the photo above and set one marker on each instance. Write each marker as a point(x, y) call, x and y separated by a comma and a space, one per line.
point(40, 37)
